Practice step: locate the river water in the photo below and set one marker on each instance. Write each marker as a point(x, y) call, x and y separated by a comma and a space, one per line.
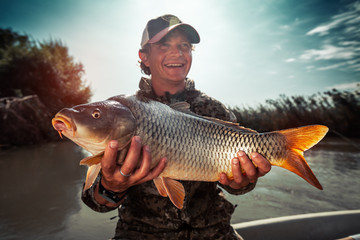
point(40, 191)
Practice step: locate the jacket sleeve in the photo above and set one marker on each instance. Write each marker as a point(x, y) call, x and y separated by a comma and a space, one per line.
point(88, 198)
point(240, 191)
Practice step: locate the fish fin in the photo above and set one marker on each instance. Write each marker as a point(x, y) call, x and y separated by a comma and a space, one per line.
point(185, 108)
point(91, 175)
point(299, 140)
point(175, 190)
point(95, 159)
point(160, 186)
point(236, 126)
point(181, 107)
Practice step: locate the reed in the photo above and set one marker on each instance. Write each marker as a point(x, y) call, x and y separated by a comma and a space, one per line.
point(339, 110)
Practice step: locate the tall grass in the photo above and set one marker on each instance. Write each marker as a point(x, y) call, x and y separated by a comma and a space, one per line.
point(339, 110)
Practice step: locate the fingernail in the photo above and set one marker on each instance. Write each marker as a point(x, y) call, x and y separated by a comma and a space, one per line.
point(253, 155)
point(137, 139)
point(241, 154)
point(113, 144)
point(235, 161)
point(146, 148)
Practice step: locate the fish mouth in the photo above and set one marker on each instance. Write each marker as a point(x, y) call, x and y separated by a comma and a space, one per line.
point(63, 124)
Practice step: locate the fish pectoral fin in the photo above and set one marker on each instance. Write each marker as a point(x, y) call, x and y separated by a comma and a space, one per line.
point(175, 190)
point(160, 186)
point(91, 175)
point(92, 160)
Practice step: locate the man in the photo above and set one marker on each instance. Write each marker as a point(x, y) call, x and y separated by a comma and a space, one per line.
point(166, 55)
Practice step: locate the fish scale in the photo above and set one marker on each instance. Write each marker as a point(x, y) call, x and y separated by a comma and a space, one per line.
point(204, 155)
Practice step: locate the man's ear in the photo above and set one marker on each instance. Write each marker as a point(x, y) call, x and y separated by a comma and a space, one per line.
point(144, 58)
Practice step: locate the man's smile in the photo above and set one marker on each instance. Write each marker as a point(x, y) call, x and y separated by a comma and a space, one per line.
point(174, 65)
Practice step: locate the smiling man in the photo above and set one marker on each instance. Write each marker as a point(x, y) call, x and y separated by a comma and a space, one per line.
point(166, 55)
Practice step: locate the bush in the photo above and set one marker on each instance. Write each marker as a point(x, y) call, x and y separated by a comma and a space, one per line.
point(42, 69)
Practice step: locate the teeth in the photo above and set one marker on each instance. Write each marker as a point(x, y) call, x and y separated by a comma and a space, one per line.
point(174, 65)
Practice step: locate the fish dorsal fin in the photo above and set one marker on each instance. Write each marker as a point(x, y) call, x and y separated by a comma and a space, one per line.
point(231, 124)
point(181, 107)
point(91, 175)
point(175, 190)
point(185, 108)
point(94, 159)
point(246, 130)
point(160, 186)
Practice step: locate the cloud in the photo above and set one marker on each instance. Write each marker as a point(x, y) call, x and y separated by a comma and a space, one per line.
point(349, 17)
point(339, 40)
point(272, 72)
point(346, 86)
point(333, 66)
point(325, 29)
point(276, 47)
point(329, 52)
point(289, 60)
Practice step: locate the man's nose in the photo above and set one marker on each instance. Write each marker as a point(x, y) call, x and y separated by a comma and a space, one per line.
point(176, 50)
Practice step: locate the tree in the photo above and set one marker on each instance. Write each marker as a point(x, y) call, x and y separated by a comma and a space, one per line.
point(47, 78)
point(45, 69)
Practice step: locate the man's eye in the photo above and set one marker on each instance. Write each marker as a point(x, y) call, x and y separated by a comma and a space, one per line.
point(164, 46)
point(185, 46)
point(96, 114)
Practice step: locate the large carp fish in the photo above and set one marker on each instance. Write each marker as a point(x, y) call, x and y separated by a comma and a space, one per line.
point(197, 148)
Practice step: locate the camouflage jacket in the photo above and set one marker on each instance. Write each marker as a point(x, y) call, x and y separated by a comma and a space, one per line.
point(206, 214)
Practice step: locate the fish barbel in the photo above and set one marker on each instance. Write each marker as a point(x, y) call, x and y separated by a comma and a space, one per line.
point(197, 148)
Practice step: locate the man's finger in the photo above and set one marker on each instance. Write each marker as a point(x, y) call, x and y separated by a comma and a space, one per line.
point(236, 170)
point(108, 162)
point(132, 156)
point(263, 165)
point(144, 168)
point(247, 166)
point(223, 179)
point(155, 172)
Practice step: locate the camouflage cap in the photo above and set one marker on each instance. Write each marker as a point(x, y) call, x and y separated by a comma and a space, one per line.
point(157, 28)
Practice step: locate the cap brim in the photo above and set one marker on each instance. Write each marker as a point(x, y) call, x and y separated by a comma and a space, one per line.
point(188, 29)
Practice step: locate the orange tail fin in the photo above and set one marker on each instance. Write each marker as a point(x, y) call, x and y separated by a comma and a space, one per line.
point(299, 140)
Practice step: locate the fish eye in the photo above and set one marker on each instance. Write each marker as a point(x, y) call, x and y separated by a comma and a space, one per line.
point(96, 114)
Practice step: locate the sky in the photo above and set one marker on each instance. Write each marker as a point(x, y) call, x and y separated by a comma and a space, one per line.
point(249, 51)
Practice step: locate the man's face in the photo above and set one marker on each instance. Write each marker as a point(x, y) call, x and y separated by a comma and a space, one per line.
point(170, 59)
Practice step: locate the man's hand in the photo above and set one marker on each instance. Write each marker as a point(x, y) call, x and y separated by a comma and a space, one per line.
point(114, 181)
point(246, 171)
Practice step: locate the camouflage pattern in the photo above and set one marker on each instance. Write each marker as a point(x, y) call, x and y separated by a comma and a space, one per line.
point(206, 214)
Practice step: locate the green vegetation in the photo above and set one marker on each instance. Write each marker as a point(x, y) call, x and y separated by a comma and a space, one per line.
point(37, 79)
point(339, 110)
point(44, 69)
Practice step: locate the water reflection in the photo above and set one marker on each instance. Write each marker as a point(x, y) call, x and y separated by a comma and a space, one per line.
point(40, 192)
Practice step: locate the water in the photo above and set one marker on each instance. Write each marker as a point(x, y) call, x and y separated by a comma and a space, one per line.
point(40, 191)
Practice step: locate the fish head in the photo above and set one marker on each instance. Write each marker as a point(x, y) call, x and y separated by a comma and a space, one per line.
point(93, 125)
